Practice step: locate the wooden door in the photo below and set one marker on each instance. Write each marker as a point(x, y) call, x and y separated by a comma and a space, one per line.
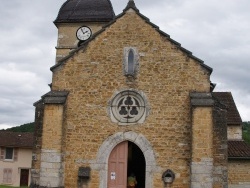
point(117, 166)
point(24, 177)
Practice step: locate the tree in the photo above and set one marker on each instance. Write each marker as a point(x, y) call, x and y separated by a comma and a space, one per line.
point(28, 127)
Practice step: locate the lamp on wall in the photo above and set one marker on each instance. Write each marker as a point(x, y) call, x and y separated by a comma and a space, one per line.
point(168, 176)
point(83, 176)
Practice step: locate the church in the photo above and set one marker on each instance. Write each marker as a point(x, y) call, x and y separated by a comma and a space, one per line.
point(127, 99)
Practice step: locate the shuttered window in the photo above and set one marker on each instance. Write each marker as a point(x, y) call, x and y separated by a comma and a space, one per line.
point(7, 175)
point(2, 149)
point(15, 154)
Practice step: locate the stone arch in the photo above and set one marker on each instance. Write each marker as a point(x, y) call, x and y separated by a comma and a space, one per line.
point(109, 144)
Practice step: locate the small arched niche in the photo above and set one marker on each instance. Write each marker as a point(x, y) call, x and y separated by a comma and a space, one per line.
point(130, 62)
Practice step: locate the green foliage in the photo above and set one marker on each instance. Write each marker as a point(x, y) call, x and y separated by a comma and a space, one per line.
point(246, 131)
point(246, 125)
point(246, 136)
point(28, 127)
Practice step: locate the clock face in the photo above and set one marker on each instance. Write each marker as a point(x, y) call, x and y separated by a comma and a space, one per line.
point(83, 33)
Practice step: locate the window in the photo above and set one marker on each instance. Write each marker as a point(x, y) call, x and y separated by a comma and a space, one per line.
point(7, 175)
point(128, 107)
point(130, 62)
point(9, 153)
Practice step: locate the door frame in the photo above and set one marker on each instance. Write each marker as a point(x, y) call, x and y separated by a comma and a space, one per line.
point(28, 177)
point(112, 141)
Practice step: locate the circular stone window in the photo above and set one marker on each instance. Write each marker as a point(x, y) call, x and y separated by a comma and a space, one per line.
point(128, 107)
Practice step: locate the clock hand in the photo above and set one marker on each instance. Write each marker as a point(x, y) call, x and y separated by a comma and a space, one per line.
point(82, 31)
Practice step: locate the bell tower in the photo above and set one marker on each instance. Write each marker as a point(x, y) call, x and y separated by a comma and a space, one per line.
point(78, 20)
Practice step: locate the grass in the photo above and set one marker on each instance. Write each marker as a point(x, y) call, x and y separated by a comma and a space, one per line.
point(5, 186)
point(246, 136)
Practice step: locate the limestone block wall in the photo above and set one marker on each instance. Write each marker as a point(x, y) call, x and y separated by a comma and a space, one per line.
point(37, 145)
point(166, 76)
point(202, 148)
point(234, 132)
point(238, 174)
point(220, 173)
point(67, 39)
point(51, 171)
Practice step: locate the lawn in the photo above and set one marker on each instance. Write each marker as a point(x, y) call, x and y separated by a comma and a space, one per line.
point(5, 186)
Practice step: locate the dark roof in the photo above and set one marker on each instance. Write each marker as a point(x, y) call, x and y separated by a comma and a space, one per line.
point(238, 150)
point(73, 11)
point(131, 5)
point(53, 97)
point(16, 139)
point(233, 115)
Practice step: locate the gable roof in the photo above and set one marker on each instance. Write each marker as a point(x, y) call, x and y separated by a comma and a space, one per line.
point(73, 11)
point(238, 150)
point(233, 115)
point(131, 5)
point(16, 139)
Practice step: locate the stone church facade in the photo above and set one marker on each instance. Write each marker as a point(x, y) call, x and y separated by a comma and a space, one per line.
point(126, 98)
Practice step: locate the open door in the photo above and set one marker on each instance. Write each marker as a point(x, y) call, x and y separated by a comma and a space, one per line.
point(136, 164)
point(125, 159)
point(117, 166)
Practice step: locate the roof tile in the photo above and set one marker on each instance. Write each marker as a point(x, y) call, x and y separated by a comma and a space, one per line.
point(85, 10)
point(233, 115)
point(16, 139)
point(238, 149)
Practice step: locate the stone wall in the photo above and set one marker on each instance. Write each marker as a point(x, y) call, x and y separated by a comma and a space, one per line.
point(239, 173)
point(67, 39)
point(51, 172)
point(166, 76)
point(202, 140)
point(234, 132)
point(37, 145)
point(220, 153)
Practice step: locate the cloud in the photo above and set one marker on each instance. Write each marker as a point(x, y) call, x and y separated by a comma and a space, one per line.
point(215, 31)
point(18, 92)
point(27, 37)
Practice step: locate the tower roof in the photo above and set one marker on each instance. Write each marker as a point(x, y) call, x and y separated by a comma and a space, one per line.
point(73, 11)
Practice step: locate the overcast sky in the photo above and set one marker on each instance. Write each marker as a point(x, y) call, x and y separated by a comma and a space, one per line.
point(216, 31)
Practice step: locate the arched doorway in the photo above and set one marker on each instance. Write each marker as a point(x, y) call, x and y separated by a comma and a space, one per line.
point(126, 158)
point(111, 142)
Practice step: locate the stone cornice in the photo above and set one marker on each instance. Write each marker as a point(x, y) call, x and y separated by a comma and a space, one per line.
point(201, 99)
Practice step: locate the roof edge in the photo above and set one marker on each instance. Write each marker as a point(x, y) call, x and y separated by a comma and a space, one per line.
point(58, 21)
point(238, 158)
point(131, 4)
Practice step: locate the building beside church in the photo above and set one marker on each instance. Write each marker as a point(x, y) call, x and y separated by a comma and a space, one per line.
point(126, 98)
point(15, 158)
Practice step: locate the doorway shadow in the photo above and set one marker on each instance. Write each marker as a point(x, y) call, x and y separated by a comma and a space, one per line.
point(136, 164)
